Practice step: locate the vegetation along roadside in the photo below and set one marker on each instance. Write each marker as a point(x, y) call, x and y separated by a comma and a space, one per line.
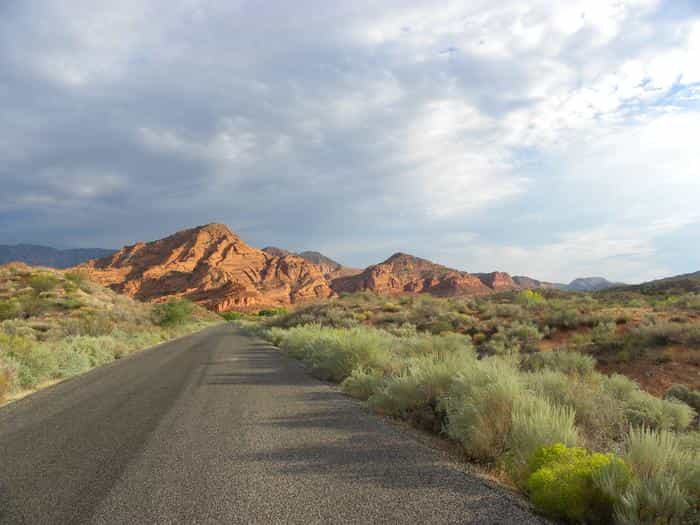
point(55, 325)
point(522, 381)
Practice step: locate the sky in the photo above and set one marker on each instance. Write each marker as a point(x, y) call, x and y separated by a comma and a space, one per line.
point(549, 139)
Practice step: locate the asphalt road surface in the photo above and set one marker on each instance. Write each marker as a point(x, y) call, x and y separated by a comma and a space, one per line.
point(219, 427)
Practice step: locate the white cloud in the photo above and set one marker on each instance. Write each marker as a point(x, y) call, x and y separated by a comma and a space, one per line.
point(397, 116)
point(233, 142)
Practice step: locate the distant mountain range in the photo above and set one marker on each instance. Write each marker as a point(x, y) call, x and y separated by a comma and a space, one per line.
point(328, 266)
point(213, 266)
point(36, 255)
point(678, 284)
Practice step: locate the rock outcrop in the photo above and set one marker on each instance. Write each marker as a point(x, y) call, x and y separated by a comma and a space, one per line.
point(498, 281)
point(212, 266)
point(402, 273)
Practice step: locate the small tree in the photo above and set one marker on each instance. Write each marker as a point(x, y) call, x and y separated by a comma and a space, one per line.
point(173, 312)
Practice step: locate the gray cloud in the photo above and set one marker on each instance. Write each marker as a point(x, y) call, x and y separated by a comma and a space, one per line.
point(523, 138)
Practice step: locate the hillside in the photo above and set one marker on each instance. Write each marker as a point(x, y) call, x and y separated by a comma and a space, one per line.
point(528, 283)
point(36, 255)
point(591, 284)
point(403, 273)
point(212, 266)
point(330, 268)
point(56, 324)
point(679, 284)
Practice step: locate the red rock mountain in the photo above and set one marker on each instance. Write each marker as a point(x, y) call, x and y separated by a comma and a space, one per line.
point(330, 268)
point(212, 266)
point(402, 273)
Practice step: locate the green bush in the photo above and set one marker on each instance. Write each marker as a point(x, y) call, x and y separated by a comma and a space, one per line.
point(479, 406)
point(334, 353)
point(363, 383)
point(35, 363)
point(424, 381)
point(530, 298)
point(8, 376)
point(684, 394)
point(173, 312)
point(78, 278)
point(643, 409)
point(563, 483)
point(94, 351)
point(565, 361)
point(10, 309)
point(527, 334)
point(232, 315)
point(536, 423)
point(43, 282)
point(271, 312)
point(666, 479)
point(599, 415)
point(563, 317)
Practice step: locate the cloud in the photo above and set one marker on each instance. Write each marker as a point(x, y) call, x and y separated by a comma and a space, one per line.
point(532, 137)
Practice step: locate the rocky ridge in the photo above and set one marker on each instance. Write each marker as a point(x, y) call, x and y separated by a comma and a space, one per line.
point(214, 267)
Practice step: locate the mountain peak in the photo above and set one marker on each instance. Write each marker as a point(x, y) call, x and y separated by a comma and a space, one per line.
point(211, 265)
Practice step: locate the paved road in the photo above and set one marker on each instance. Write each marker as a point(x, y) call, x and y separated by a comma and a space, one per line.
point(220, 428)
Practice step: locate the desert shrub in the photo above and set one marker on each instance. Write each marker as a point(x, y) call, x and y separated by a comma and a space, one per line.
point(509, 311)
point(77, 278)
point(685, 394)
point(564, 483)
point(479, 406)
point(598, 414)
point(499, 344)
point(19, 327)
point(530, 298)
point(32, 305)
point(654, 500)
point(8, 376)
point(689, 302)
point(10, 309)
point(666, 479)
point(89, 323)
point(330, 315)
point(35, 363)
point(173, 312)
point(362, 383)
point(526, 334)
point(643, 409)
point(69, 361)
point(405, 330)
point(334, 353)
point(660, 333)
point(43, 282)
point(536, 423)
point(272, 312)
point(565, 317)
point(690, 441)
point(568, 362)
point(604, 337)
point(424, 344)
point(423, 382)
point(96, 350)
point(232, 315)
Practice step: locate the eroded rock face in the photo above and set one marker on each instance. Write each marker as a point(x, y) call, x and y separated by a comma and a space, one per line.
point(402, 273)
point(498, 281)
point(211, 266)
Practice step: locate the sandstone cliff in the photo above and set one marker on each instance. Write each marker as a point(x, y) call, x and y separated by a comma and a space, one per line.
point(214, 267)
point(211, 266)
point(402, 273)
